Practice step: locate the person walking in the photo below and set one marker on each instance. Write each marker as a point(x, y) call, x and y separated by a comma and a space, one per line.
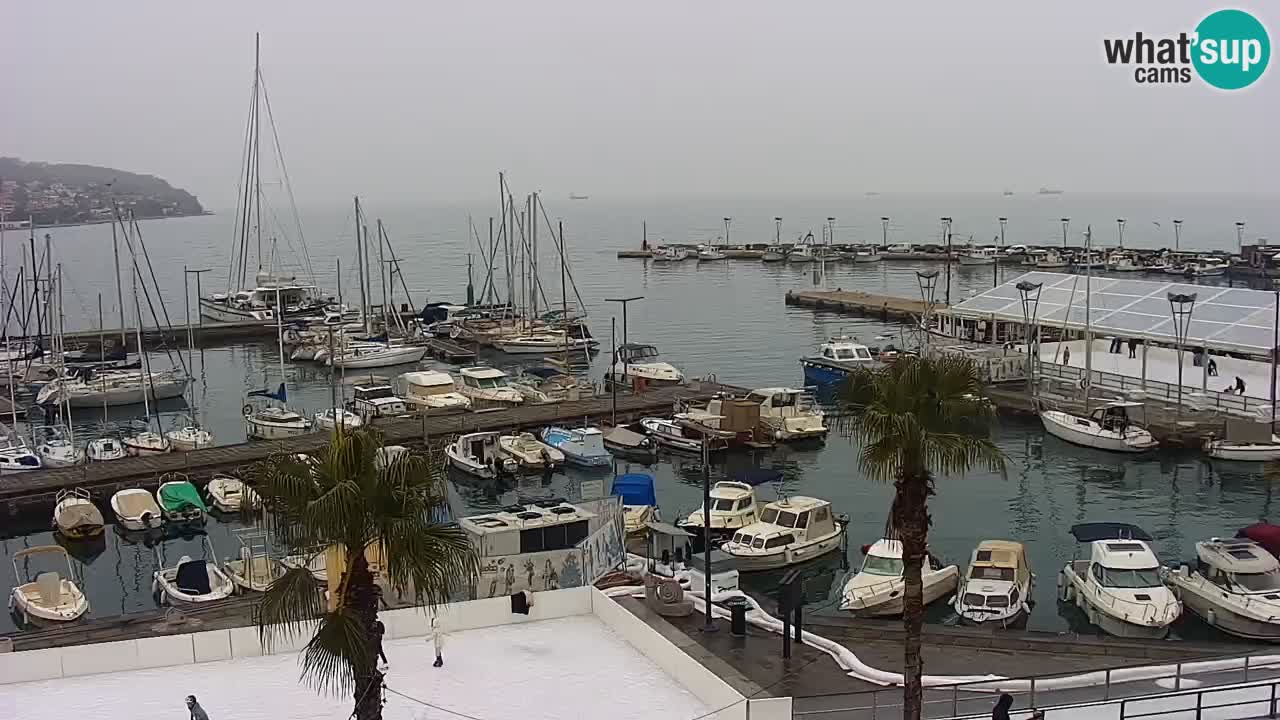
point(198, 713)
point(1239, 385)
point(378, 631)
point(1001, 710)
point(1066, 355)
point(1213, 368)
point(1133, 348)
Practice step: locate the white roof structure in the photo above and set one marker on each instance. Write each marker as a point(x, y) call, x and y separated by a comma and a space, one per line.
point(1234, 319)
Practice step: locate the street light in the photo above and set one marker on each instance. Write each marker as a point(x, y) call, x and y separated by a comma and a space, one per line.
point(1065, 221)
point(1003, 221)
point(777, 231)
point(928, 282)
point(884, 231)
point(1240, 234)
point(1181, 305)
point(831, 230)
point(1120, 225)
point(726, 230)
point(1177, 234)
point(1030, 293)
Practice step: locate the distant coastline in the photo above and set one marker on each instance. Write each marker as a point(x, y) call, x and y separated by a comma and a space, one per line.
point(15, 225)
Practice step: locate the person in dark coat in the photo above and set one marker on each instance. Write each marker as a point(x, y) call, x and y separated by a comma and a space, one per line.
point(1239, 385)
point(1213, 367)
point(197, 712)
point(1001, 710)
point(1133, 348)
point(378, 631)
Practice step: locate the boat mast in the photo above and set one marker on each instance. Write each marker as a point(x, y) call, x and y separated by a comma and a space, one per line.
point(368, 279)
point(115, 257)
point(257, 160)
point(62, 340)
point(146, 365)
point(364, 308)
point(280, 335)
point(1088, 328)
point(35, 283)
point(564, 299)
point(533, 256)
point(382, 279)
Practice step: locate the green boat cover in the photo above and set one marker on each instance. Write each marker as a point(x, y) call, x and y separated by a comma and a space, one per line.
point(180, 496)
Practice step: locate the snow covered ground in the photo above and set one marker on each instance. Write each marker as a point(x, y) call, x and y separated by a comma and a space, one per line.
point(572, 667)
point(1162, 365)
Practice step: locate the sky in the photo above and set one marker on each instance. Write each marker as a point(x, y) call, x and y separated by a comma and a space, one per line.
point(427, 101)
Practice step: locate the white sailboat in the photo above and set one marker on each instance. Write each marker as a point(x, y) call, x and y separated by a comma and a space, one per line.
point(274, 422)
point(147, 442)
point(59, 447)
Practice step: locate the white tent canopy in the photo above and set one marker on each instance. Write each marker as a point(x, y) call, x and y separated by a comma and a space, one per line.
point(1230, 319)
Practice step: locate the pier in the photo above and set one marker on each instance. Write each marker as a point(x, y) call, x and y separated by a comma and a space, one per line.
point(451, 352)
point(885, 307)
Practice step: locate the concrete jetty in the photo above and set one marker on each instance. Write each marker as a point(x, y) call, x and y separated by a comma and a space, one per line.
point(885, 307)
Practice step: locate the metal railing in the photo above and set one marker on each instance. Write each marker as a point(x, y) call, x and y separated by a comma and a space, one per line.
point(1257, 695)
point(1192, 396)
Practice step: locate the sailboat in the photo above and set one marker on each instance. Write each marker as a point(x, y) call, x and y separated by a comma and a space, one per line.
point(59, 447)
point(1110, 427)
point(274, 422)
point(15, 456)
point(147, 442)
point(190, 437)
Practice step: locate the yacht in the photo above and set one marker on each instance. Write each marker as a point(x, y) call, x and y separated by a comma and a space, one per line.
point(375, 355)
point(530, 453)
point(330, 419)
point(790, 414)
point(867, 254)
point(582, 446)
point(637, 361)
point(789, 532)
point(479, 454)
point(45, 596)
point(274, 423)
point(487, 387)
point(259, 304)
point(978, 256)
point(113, 388)
point(996, 589)
point(1106, 428)
point(708, 253)
point(433, 390)
point(59, 451)
point(376, 400)
point(542, 343)
point(1119, 587)
point(835, 360)
point(1234, 586)
point(876, 589)
point(774, 254)
point(733, 507)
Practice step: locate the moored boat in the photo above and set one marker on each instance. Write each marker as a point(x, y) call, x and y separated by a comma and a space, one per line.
point(1106, 428)
point(75, 516)
point(530, 453)
point(1234, 587)
point(46, 596)
point(479, 454)
point(583, 446)
point(996, 588)
point(1119, 587)
point(789, 532)
point(136, 509)
point(877, 588)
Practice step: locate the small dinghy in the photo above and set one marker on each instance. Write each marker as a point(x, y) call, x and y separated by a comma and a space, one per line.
point(530, 453)
point(136, 509)
point(639, 502)
point(628, 444)
point(179, 500)
point(228, 494)
point(47, 595)
point(479, 454)
point(75, 515)
point(254, 569)
point(581, 446)
point(104, 449)
point(191, 580)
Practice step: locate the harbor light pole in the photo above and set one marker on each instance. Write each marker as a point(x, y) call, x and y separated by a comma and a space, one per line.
point(1065, 222)
point(1181, 305)
point(995, 266)
point(884, 230)
point(625, 301)
point(1239, 235)
point(928, 282)
point(831, 230)
point(946, 226)
point(1030, 293)
point(1120, 225)
point(726, 230)
point(1177, 235)
point(777, 231)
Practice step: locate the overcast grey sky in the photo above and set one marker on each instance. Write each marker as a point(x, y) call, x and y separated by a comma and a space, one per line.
point(427, 100)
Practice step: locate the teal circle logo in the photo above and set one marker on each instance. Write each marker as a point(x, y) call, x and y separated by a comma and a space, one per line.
point(1231, 49)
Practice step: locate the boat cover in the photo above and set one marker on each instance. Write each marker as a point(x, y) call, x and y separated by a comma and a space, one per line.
point(635, 489)
point(1265, 534)
point(758, 476)
point(626, 438)
point(79, 515)
point(181, 496)
point(1091, 532)
point(193, 577)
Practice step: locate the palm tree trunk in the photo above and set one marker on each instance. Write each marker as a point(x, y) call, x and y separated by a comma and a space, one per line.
point(362, 595)
point(911, 519)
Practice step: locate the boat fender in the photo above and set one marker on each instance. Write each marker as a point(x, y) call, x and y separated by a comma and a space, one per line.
point(1084, 383)
point(247, 410)
point(1211, 617)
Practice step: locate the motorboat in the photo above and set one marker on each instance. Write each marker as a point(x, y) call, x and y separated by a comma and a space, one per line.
point(554, 383)
point(1089, 261)
point(1119, 586)
point(16, 457)
point(105, 449)
point(835, 360)
point(774, 254)
point(801, 254)
point(1244, 441)
point(75, 516)
point(971, 256)
point(532, 394)
point(192, 580)
point(228, 494)
point(433, 390)
point(46, 596)
point(638, 362)
point(259, 303)
point(273, 422)
point(360, 356)
point(733, 507)
point(639, 501)
point(190, 437)
point(253, 569)
point(94, 389)
point(627, 443)
point(375, 400)
point(136, 509)
point(179, 500)
point(147, 442)
point(790, 414)
point(1049, 260)
point(877, 588)
point(330, 419)
point(1234, 586)
point(479, 454)
point(867, 254)
point(1106, 428)
point(582, 446)
point(487, 387)
point(790, 531)
point(672, 435)
point(996, 589)
point(708, 253)
point(59, 451)
point(1205, 267)
point(669, 253)
point(1124, 261)
point(530, 453)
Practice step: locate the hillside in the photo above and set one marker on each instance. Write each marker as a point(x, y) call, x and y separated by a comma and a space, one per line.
point(64, 193)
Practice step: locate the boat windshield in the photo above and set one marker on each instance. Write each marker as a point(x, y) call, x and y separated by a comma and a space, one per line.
point(643, 352)
point(1130, 578)
point(770, 515)
point(723, 505)
point(1258, 582)
point(991, 573)
point(374, 393)
point(877, 565)
point(491, 383)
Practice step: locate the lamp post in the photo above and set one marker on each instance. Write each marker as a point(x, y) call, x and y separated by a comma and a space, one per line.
point(1120, 226)
point(831, 230)
point(777, 231)
point(884, 230)
point(928, 282)
point(1030, 293)
point(946, 226)
point(1239, 235)
point(624, 301)
point(726, 230)
point(1177, 235)
point(1181, 305)
point(995, 266)
point(1065, 222)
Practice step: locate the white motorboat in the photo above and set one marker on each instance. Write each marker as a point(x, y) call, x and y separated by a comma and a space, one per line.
point(1119, 587)
point(996, 589)
point(1107, 428)
point(639, 502)
point(259, 303)
point(876, 589)
point(146, 443)
point(433, 390)
point(542, 343)
point(16, 457)
point(374, 400)
point(104, 449)
point(529, 452)
point(774, 254)
point(358, 357)
point(228, 494)
point(136, 509)
point(789, 532)
point(1243, 451)
point(639, 362)
point(1234, 586)
point(625, 442)
point(315, 562)
point(45, 596)
point(708, 253)
point(1124, 261)
point(179, 500)
point(971, 256)
point(1091, 260)
point(801, 254)
point(487, 387)
point(58, 451)
point(1206, 267)
point(479, 454)
point(190, 437)
point(330, 418)
point(192, 580)
point(868, 254)
point(733, 507)
point(790, 414)
point(671, 435)
point(583, 446)
point(75, 515)
point(1048, 260)
point(669, 253)
point(274, 423)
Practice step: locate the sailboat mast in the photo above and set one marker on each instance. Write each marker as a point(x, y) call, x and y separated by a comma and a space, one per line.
point(533, 255)
point(257, 155)
point(62, 339)
point(368, 280)
point(364, 307)
point(115, 256)
point(146, 366)
point(1088, 327)
point(382, 278)
point(564, 299)
point(280, 333)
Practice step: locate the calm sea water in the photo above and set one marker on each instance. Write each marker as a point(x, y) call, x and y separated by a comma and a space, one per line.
point(726, 319)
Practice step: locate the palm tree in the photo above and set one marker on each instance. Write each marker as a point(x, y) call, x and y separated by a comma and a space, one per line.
point(916, 418)
point(347, 495)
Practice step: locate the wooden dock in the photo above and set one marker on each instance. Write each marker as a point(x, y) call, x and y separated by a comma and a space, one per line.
point(885, 307)
point(451, 352)
point(38, 489)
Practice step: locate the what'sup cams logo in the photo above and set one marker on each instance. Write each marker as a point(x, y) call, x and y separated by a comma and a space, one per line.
point(1229, 50)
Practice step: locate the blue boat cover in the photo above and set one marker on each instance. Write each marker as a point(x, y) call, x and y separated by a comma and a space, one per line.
point(635, 489)
point(1093, 531)
point(758, 476)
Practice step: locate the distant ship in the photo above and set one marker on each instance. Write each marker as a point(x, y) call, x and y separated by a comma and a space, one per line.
point(577, 197)
point(1049, 191)
point(1007, 193)
point(872, 193)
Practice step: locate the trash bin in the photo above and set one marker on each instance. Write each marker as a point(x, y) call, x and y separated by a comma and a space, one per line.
point(738, 607)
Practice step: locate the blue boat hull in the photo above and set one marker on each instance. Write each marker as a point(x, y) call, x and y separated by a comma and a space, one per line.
point(822, 375)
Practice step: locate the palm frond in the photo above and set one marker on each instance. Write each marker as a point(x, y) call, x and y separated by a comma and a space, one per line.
point(289, 606)
point(337, 654)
